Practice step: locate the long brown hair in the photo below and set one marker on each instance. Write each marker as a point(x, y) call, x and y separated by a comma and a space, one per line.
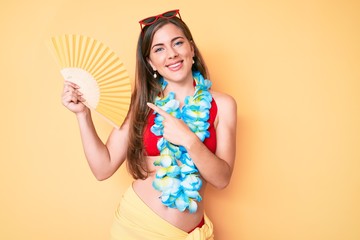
point(146, 89)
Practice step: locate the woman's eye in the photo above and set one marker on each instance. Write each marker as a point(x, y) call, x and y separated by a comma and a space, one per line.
point(179, 43)
point(158, 49)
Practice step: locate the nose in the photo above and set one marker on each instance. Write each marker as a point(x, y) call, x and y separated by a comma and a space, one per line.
point(172, 53)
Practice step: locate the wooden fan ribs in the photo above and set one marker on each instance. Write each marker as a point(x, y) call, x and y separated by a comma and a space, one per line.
point(77, 54)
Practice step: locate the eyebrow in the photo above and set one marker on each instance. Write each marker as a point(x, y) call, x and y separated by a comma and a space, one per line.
point(172, 40)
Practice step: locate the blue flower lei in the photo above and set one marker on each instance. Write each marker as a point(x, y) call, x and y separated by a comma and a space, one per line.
point(179, 184)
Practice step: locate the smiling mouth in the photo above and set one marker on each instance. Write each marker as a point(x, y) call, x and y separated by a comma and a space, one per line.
point(175, 66)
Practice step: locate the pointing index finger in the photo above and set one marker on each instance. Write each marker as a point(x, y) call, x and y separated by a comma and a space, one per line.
point(158, 110)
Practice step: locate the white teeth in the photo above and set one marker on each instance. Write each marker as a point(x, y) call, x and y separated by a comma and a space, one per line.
point(174, 65)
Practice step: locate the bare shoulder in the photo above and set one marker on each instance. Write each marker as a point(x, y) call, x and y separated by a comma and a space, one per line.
point(225, 102)
point(227, 110)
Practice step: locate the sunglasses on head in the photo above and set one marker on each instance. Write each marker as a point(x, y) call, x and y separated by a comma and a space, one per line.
point(151, 20)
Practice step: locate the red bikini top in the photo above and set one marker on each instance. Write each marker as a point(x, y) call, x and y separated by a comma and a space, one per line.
point(150, 140)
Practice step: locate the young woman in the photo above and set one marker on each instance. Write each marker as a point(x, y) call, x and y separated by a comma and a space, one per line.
point(178, 137)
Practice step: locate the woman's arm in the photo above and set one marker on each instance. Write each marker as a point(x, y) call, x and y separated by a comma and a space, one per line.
point(217, 168)
point(103, 159)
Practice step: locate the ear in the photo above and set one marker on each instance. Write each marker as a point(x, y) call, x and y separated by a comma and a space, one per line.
point(192, 48)
point(151, 64)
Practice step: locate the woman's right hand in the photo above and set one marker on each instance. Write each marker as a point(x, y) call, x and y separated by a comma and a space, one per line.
point(72, 98)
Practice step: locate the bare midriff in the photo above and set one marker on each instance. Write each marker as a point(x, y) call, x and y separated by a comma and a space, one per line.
point(185, 221)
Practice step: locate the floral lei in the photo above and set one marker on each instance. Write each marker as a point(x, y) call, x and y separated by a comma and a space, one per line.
point(179, 184)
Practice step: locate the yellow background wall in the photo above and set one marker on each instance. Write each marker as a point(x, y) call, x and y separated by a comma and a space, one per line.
point(292, 66)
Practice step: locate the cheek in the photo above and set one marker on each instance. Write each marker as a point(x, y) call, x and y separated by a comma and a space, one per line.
point(190, 52)
point(156, 59)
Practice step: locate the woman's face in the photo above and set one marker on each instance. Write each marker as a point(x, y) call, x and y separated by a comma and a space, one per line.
point(171, 54)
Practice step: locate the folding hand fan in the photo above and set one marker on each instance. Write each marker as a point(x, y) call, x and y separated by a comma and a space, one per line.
point(98, 71)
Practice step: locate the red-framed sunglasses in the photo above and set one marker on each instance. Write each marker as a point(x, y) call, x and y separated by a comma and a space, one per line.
point(151, 20)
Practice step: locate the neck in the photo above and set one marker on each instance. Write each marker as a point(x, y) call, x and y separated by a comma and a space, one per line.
point(181, 89)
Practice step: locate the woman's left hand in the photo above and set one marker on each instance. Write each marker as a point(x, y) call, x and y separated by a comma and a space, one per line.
point(175, 130)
